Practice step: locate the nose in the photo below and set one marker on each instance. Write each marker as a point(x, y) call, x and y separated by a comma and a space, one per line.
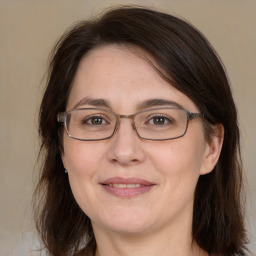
point(126, 146)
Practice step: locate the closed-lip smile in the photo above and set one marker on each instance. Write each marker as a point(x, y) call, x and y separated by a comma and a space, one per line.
point(126, 187)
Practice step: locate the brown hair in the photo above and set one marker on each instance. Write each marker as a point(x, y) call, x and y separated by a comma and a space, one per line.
point(181, 53)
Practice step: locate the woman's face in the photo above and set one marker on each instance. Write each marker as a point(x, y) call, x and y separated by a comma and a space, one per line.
point(166, 171)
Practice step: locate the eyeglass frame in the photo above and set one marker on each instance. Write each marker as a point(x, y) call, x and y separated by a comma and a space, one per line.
point(61, 118)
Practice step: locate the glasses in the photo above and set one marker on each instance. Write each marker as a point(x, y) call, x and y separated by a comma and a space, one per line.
point(93, 124)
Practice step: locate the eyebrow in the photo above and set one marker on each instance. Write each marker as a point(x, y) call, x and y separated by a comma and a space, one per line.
point(141, 106)
point(158, 102)
point(93, 102)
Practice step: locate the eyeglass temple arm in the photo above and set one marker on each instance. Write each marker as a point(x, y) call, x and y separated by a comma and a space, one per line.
point(195, 115)
point(61, 117)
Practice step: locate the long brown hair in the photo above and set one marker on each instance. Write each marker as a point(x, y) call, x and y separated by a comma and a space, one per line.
point(181, 53)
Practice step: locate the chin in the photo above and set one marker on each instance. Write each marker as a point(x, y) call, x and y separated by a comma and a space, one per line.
point(129, 228)
point(127, 223)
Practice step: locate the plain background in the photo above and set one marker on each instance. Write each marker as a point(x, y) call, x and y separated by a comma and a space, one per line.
point(28, 31)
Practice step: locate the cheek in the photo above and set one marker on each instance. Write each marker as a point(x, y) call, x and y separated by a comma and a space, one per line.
point(178, 160)
point(81, 158)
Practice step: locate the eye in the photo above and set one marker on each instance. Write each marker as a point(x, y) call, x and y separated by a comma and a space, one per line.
point(95, 120)
point(159, 120)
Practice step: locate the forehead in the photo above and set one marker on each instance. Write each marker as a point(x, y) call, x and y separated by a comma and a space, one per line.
point(122, 75)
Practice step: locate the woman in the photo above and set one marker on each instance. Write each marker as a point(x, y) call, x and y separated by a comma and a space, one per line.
point(140, 142)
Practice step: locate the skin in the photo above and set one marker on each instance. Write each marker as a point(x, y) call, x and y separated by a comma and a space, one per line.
point(160, 220)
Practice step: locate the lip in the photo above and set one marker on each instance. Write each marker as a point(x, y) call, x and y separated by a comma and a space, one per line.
point(126, 187)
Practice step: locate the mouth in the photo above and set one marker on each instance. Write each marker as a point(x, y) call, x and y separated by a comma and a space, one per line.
point(126, 187)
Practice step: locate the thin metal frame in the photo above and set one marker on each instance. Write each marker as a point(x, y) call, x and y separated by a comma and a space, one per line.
point(61, 118)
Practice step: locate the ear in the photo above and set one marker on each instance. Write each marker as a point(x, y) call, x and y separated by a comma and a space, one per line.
point(212, 150)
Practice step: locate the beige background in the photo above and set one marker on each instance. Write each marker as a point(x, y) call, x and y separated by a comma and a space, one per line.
point(28, 30)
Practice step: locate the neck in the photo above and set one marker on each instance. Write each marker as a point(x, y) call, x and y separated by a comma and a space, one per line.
point(167, 241)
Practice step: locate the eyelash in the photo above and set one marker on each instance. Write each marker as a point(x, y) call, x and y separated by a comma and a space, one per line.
point(161, 116)
point(88, 120)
